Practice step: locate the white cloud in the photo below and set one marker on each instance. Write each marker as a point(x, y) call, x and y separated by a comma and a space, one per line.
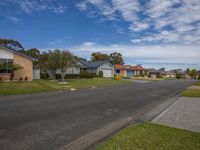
point(150, 53)
point(14, 19)
point(139, 26)
point(168, 21)
point(34, 6)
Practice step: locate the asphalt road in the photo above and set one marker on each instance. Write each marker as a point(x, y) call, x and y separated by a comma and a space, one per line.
point(51, 120)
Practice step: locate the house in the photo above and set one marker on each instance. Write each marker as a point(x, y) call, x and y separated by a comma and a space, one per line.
point(95, 67)
point(153, 73)
point(129, 71)
point(8, 57)
point(170, 74)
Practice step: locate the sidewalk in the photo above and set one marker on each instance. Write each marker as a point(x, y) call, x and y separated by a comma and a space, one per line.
point(183, 114)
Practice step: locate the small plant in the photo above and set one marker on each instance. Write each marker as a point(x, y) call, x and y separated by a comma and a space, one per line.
point(100, 73)
point(118, 77)
point(20, 79)
point(26, 78)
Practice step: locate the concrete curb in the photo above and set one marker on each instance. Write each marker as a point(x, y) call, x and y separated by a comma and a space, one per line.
point(145, 114)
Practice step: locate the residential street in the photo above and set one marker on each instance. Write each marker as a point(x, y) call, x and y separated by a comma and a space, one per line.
point(50, 121)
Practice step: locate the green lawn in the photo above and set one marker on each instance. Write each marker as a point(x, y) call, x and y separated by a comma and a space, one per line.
point(191, 93)
point(152, 137)
point(20, 87)
point(197, 83)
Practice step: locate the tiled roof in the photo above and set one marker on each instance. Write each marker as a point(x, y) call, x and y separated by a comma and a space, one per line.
point(93, 64)
point(128, 67)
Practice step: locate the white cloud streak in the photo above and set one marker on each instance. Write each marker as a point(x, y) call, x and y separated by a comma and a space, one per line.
point(168, 21)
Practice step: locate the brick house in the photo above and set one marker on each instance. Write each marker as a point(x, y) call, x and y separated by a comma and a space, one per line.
point(129, 71)
point(8, 57)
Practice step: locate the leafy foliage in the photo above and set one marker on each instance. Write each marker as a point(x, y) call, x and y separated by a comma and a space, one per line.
point(61, 60)
point(99, 57)
point(116, 58)
point(13, 44)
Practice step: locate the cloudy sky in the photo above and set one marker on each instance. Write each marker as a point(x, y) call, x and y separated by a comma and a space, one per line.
point(155, 33)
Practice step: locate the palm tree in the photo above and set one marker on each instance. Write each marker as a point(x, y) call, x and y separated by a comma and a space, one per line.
point(61, 60)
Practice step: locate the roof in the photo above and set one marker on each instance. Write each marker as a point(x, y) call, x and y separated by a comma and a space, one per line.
point(94, 64)
point(15, 51)
point(128, 67)
point(170, 73)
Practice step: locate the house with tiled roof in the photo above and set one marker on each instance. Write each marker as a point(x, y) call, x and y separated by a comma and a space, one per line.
point(129, 71)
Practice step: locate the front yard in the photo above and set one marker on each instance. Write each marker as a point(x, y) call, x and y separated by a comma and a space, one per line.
point(152, 137)
point(193, 91)
point(21, 87)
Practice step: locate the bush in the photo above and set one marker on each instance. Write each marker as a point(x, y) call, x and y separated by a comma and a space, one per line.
point(100, 73)
point(77, 76)
point(44, 76)
point(83, 72)
point(118, 77)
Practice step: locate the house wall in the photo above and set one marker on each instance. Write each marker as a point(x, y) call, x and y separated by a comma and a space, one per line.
point(26, 71)
point(107, 69)
point(36, 74)
point(5, 76)
point(5, 54)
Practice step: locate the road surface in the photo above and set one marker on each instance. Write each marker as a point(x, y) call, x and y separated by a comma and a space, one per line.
point(50, 121)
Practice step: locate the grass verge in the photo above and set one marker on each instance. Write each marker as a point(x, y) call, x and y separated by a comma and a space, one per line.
point(152, 137)
point(197, 83)
point(20, 87)
point(191, 93)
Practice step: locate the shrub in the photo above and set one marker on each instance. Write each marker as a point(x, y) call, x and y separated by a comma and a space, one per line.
point(44, 76)
point(100, 73)
point(77, 76)
point(26, 78)
point(84, 72)
point(118, 77)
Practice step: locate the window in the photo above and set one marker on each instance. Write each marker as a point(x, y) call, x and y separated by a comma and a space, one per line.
point(6, 65)
point(117, 71)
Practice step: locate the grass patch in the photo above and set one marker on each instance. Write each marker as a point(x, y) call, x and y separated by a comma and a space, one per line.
point(152, 137)
point(20, 87)
point(197, 83)
point(191, 93)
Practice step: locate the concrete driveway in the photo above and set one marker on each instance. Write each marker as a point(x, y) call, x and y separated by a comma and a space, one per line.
point(51, 120)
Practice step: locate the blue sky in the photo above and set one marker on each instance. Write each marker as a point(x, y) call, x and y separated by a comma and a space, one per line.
point(154, 33)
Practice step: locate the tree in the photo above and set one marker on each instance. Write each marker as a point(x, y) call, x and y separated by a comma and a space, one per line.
point(61, 60)
point(11, 44)
point(99, 57)
point(33, 52)
point(116, 58)
point(43, 62)
point(193, 73)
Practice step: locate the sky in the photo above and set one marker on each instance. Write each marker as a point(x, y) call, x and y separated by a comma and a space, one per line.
point(154, 33)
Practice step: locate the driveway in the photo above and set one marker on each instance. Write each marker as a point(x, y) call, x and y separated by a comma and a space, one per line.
point(51, 120)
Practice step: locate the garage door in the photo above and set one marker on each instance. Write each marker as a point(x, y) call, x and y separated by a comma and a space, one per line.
point(107, 73)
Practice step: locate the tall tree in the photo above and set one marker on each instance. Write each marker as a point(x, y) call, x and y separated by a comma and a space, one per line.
point(99, 57)
point(116, 58)
point(33, 52)
point(61, 60)
point(11, 44)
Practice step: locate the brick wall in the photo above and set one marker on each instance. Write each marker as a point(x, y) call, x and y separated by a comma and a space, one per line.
point(26, 71)
point(5, 76)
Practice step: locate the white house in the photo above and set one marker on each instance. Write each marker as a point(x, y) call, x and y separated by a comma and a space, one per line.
point(95, 67)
